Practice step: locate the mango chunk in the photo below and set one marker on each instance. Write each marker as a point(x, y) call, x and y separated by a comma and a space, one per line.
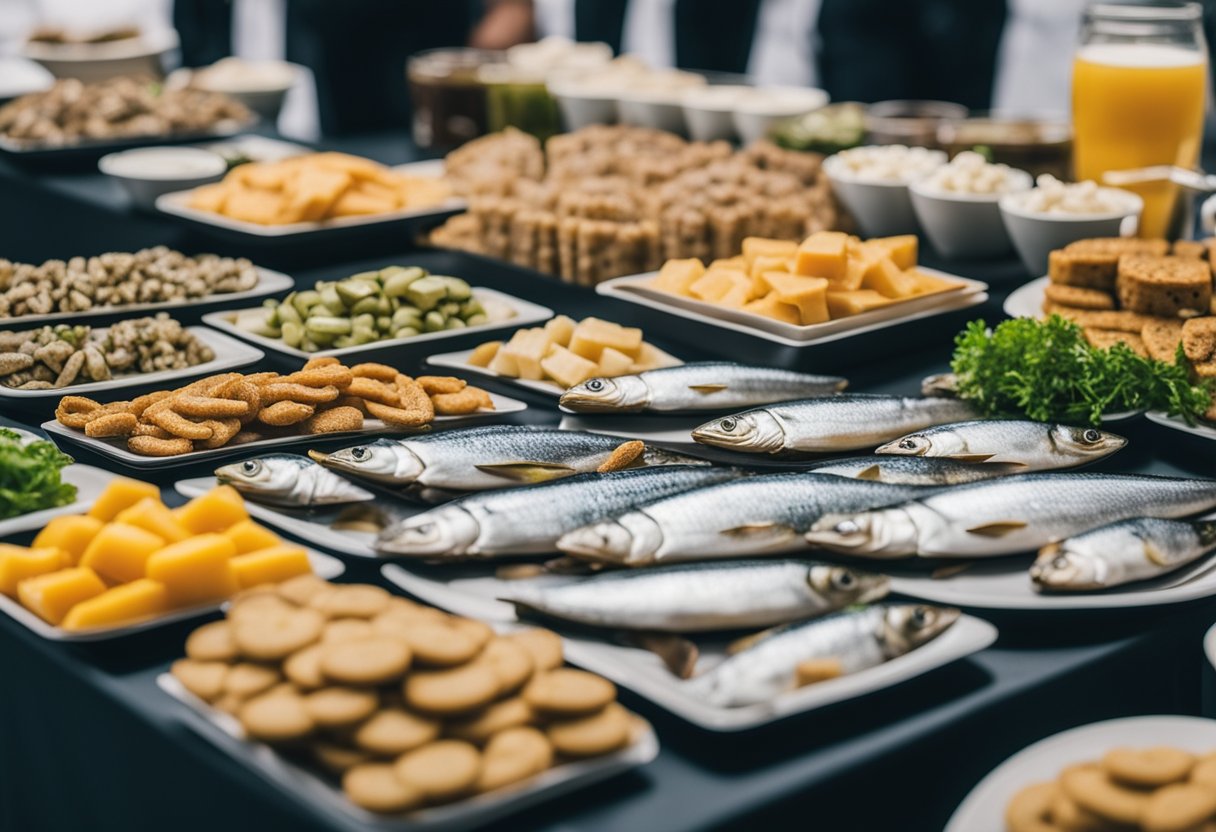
point(52, 595)
point(754, 247)
point(560, 329)
point(901, 249)
point(214, 511)
point(272, 565)
point(843, 304)
point(614, 363)
point(592, 335)
point(566, 368)
point(890, 280)
point(119, 494)
point(528, 347)
point(18, 563)
point(808, 294)
point(484, 354)
point(771, 307)
point(118, 606)
point(70, 533)
point(119, 553)
point(823, 254)
point(677, 277)
point(154, 516)
point(196, 570)
point(249, 536)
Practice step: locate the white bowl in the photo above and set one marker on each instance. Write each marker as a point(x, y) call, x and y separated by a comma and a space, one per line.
point(259, 85)
point(964, 226)
point(582, 105)
point(1035, 235)
point(710, 111)
point(882, 208)
point(146, 173)
point(657, 109)
point(142, 55)
point(757, 112)
point(20, 76)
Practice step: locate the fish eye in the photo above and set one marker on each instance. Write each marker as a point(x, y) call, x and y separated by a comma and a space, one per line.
point(845, 580)
point(920, 616)
point(251, 466)
point(595, 385)
point(360, 453)
point(1060, 562)
point(908, 444)
point(1091, 435)
point(728, 424)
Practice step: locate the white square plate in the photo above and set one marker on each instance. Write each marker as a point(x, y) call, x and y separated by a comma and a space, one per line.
point(644, 673)
point(117, 448)
point(89, 482)
point(525, 314)
point(984, 809)
point(229, 354)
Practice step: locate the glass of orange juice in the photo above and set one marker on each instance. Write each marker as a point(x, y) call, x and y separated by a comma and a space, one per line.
point(1138, 94)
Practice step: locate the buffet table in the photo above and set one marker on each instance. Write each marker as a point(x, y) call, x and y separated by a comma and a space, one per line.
point(90, 739)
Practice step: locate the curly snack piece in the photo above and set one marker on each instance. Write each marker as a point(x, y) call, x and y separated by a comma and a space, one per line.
point(209, 407)
point(379, 372)
point(413, 397)
point(75, 411)
point(152, 446)
point(334, 420)
point(468, 400)
point(222, 431)
point(385, 393)
point(440, 384)
point(175, 423)
point(281, 391)
point(331, 375)
point(283, 413)
point(111, 424)
point(398, 417)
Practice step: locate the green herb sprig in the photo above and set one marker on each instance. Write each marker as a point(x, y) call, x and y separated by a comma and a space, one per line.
point(29, 475)
point(1047, 371)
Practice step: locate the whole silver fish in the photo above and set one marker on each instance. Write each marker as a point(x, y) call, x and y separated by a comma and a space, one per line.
point(912, 470)
point(831, 424)
point(1035, 445)
point(530, 520)
point(289, 480)
point(705, 385)
point(701, 597)
point(857, 639)
point(481, 458)
point(1121, 553)
point(1010, 515)
point(763, 514)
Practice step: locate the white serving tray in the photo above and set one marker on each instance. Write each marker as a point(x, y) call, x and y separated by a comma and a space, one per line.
point(117, 448)
point(325, 797)
point(177, 204)
point(636, 289)
point(984, 809)
point(89, 482)
point(526, 313)
point(1026, 301)
point(269, 282)
point(325, 566)
point(644, 673)
point(1204, 430)
point(229, 354)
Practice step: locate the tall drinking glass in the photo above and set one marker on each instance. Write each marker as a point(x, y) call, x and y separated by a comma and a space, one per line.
point(1138, 95)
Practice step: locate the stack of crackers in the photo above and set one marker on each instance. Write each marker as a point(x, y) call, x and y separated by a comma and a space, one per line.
point(1147, 294)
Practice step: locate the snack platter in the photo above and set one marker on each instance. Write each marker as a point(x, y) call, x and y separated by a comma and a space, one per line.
point(459, 360)
point(230, 353)
point(645, 674)
point(226, 734)
point(116, 448)
point(28, 150)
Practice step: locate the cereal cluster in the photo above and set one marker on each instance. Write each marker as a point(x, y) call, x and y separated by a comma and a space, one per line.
point(1051, 196)
point(620, 200)
point(151, 275)
point(324, 397)
point(1153, 789)
point(410, 706)
point(971, 173)
point(888, 163)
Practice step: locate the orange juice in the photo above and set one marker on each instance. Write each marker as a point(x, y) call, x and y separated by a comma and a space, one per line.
point(1136, 105)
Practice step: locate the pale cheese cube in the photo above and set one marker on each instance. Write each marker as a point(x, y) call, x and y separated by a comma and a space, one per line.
point(528, 347)
point(560, 329)
point(754, 247)
point(770, 307)
point(614, 363)
point(651, 357)
point(808, 294)
point(484, 354)
point(890, 280)
point(678, 276)
point(592, 335)
point(566, 368)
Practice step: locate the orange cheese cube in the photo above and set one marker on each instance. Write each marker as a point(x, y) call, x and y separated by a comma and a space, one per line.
point(196, 570)
point(119, 605)
point(18, 563)
point(771, 307)
point(823, 254)
point(52, 595)
point(153, 516)
point(767, 264)
point(249, 536)
point(890, 280)
point(843, 304)
point(678, 276)
point(71, 533)
point(808, 294)
point(214, 511)
point(901, 249)
point(119, 494)
point(119, 553)
point(270, 566)
point(754, 247)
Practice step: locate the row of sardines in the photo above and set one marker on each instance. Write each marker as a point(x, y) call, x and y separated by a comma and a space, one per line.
point(615, 536)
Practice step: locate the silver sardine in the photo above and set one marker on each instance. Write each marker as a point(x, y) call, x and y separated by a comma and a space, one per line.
point(291, 481)
point(1037, 446)
point(831, 424)
point(705, 385)
point(912, 470)
point(701, 597)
